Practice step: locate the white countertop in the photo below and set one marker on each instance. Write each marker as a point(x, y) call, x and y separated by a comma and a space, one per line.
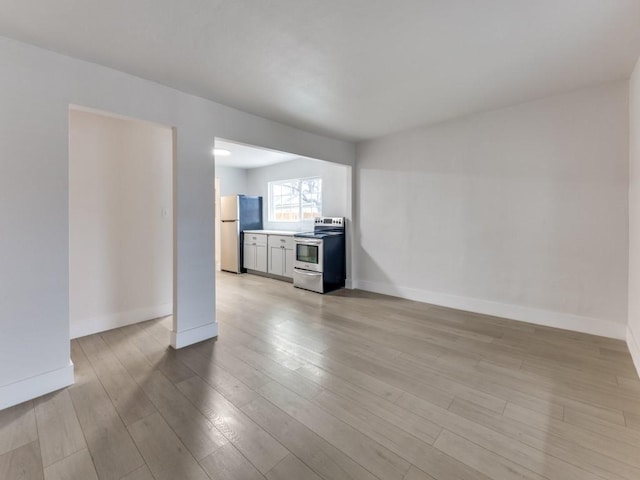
point(272, 232)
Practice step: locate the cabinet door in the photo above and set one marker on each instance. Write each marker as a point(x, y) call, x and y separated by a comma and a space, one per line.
point(260, 258)
point(249, 256)
point(275, 259)
point(288, 257)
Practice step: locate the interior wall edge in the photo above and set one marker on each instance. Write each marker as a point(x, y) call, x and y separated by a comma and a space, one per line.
point(33, 387)
point(634, 348)
point(633, 320)
point(548, 318)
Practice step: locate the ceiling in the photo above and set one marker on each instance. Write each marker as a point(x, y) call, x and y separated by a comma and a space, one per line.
point(245, 156)
point(353, 69)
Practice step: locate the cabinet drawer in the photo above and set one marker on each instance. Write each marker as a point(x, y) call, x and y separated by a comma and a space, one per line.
point(281, 241)
point(257, 238)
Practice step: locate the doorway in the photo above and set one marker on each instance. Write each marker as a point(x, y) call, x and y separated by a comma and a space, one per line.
point(120, 221)
point(243, 169)
point(218, 229)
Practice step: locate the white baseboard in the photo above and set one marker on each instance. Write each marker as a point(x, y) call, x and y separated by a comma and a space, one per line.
point(33, 387)
point(548, 318)
point(634, 348)
point(194, 335)
point(348, 283)
point(89, 326)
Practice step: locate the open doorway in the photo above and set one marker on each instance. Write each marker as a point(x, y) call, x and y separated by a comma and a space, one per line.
point(217, 230)
point(120, 221)
point(292, 191)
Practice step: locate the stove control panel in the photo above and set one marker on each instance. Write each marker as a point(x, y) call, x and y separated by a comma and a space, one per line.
point(330, 221)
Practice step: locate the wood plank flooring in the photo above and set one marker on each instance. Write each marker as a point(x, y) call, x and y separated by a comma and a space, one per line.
point(350, 385)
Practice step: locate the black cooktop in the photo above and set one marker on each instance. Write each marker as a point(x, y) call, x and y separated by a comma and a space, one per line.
point(317, 234)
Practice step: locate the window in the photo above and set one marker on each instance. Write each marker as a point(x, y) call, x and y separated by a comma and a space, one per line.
point(295, 200)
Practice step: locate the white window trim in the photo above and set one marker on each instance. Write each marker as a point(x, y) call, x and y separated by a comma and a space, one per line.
point(290, 180)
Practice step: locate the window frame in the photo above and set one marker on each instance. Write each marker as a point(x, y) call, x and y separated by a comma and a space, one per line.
point(271, 204)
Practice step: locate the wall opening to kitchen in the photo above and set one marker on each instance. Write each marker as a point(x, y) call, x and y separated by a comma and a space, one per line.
point(121, 221)
point(292, 190)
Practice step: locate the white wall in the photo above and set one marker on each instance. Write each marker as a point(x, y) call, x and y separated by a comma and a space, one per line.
point(120, 222)
point(334, 188)
point(233, 181)
point(520, 212)
point(36, 89)
point(633, 328)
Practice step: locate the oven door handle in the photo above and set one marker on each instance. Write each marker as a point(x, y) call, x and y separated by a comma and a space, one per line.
point(305, 272)
point(309, 242)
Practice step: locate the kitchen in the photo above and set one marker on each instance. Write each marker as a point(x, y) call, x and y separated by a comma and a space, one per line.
point(282, 216)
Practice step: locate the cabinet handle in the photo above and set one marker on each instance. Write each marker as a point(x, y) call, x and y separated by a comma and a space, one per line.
point(304, 272)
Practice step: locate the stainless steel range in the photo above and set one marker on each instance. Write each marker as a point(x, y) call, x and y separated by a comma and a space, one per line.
point(320, 263)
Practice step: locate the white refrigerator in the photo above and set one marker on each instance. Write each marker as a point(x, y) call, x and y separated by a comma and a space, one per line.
point(237, 213)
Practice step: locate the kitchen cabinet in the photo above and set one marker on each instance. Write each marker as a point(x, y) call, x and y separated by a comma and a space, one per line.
point(255, 252)
point(281, 255)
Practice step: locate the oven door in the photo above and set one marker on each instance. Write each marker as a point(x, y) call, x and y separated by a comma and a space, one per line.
point(308, 254)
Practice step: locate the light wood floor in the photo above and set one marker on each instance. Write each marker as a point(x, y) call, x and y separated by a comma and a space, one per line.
point(345, 386)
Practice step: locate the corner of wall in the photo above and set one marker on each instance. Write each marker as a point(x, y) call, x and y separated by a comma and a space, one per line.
point(633, 315)
point(89, 326)
point(634, 348)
